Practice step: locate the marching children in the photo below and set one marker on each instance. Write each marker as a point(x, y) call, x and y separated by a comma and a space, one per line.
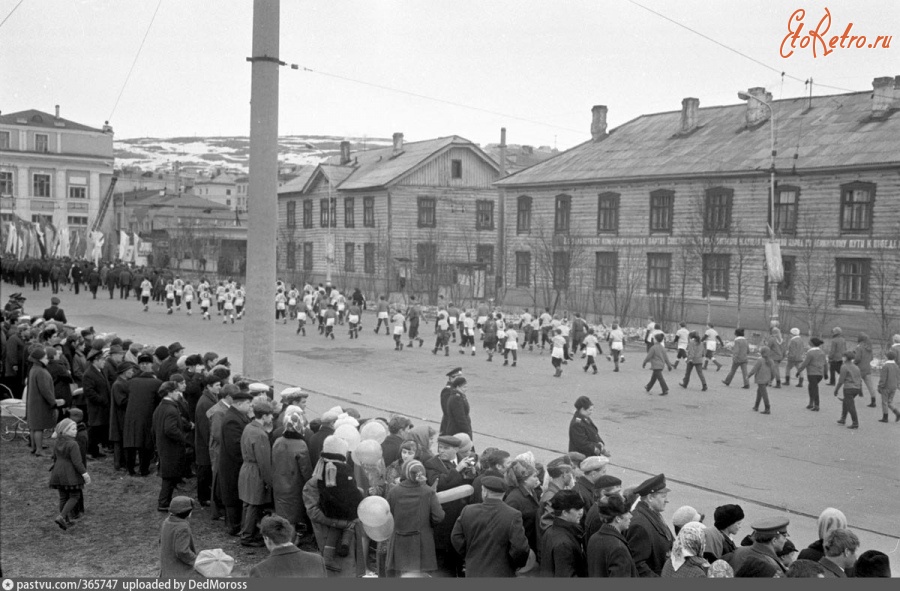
point(340, 304)
point(468, 334)
point(694, 361)
point(415, 316)
point(399, 321)
point(239, 297)
point(764, 371)
point(301, 319)
point(489, 332)
point(188, 297)
point(220, 299)
point(382, 309)
point(292, 296)
point(328, 318)
point(796, 350)
point(851, 379)
point(512, 346)
point(453, 319)
point(545, 322)
point(353, 314)
point(590, 350)
point(657, 358)
point(712, 339)
point(170, 296)
point(682, 336)
point(557, 352)
point(888, 383)
point(616, 340)
point(179, 292)
point(280, 301)
point(442, 340)
point(146, 291)
point(228, 307)
point(482, 315)
point(205, 302)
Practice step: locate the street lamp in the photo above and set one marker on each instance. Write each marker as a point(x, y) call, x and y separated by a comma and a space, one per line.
point(773, 248)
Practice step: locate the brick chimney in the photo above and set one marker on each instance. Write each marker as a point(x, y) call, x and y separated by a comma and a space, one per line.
point(345, 152)
point(598, 122)
point(398, 143)
point(757, 111)
point(57, 111)
point(883, 94)
point(689, 116)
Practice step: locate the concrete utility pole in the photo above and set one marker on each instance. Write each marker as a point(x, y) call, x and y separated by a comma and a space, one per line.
point(259, 335)
point(501, 216)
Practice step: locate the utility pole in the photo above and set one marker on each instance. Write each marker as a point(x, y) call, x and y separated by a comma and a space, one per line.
point(501, 217)
point(259, 331)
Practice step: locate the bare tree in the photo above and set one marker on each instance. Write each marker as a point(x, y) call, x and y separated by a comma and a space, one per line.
point(814, 277)
point(884, 289)
point(743, 250)
point(708, 227)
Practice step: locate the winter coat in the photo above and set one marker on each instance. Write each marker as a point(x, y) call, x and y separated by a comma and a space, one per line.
point(863, 357)
point(529, 506)
point(764, 370)
point(796, 349)
point(230, 460)
point(62, 380)
point(458, 420)
point(55, 313)
point(445, 476)
point(390, 449)
point(649, 539)
point(201, 429)
point(96, 393)
point(584, 437)
point(255, 477)
point(68, 466)
point(608, 554)
point(290, 561)
point(740, 350)
point(562, 553)
point(216, 414)
point(169, 437)
point(14, 361)
point(176, 550)
point(416, 509)
point(328, 533)
point(695, 352)
point(491, 538)
point(775, 347)
point(137, 425)
point(657, 357)
point(291, 469)
point(117, 408)
point(814, 362)
point(889, 380)
point(40, 406)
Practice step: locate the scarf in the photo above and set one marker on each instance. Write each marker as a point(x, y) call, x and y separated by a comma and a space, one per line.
point(326, 466)
point(691, 541)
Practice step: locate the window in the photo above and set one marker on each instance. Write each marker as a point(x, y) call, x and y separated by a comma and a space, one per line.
point(6, 217)
point(426, 212)
point(369, 212)
point(4, 140)
point(77, 192)
point(328, 215)
point(717, 214)
point(350, 257)
point(786, 287)
point(607, 266)
point(484, 214)
point(228, 191)
point(41, 218)
point(560, 270)
point(307, 213)
point(523, 215)
point(608, 213)
point(786, 203)
point(6, 183)
point(228, 202)
point(426, 257)
point(349, 212)
point(41, 185)
point(308, 256)
point(716, 270)
point(659, 272)
point(484, 253)
point(291, 216)
point(291, 255)
point(857, 200)
point(456, 169)
point(41, 142)
point(562, 214)
point(853, 282)
point(662, 207)
point(369, 258)
point(523, 269)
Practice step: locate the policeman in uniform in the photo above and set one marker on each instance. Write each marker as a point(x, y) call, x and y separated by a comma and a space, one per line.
point(649, 538)
point(769, 536)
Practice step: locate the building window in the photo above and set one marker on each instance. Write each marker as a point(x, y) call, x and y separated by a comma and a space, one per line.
point(717, 213)
point(786, 287)
point(350, 257)
point(787, 199)
point(41, 218)
point(659, 272)
point(41, 185)
point(560, 270)
point(369, 212)
point(426, 257)
point(328, 215)
point(307, 213)
point(484, 253)
point(607, 213)
point(4, 140)
point(349, 212)
point(6, 217)
point(291, 255)
point(716, 270)
point(456, 169)
point(427, 218)
point(369, 258)
point(291, 216)
point(523, 269)
point(484, 214)
point(562, 214)
point(523, 215)
point(662, 209)
point(228, 191)
point(77, 192)
point(76, 220)
point(307, 256)
point(857, 201)
point(607, 266)
point(6, 183)
point(853, 282)
point(41, 142)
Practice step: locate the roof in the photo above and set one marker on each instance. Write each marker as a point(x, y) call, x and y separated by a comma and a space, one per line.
point(838, 131)
point(297, 183)
point(149, 198)
point(35, 118)
point(222, 179)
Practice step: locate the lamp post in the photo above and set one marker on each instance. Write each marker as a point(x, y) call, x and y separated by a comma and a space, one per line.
point(771, 229)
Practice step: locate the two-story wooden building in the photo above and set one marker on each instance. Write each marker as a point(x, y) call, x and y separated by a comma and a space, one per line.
point(668, 215)
point(415, 217)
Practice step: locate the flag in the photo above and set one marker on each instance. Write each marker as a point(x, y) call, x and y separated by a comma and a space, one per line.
point(137, 245)
point(123, 244)
point(97, 251)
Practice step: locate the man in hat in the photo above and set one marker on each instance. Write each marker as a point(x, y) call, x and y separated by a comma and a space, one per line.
point(456, 419)
point(195, 378)
point(235, 419)
point(97, 395)
point(649, 538)
point(326, 428)
point(170, 437)
point(213, 384)
point(769, 536)
point(560, 471)
point(445, 395)
point(137, 429)
point(118, 403)
point(592, 469)
point(170, 365)
point(216, 415)
point(176, 541)
point(836, 349)
point(255, 478)
point(398, 427)
point(15, 349)
point(720, 539)
point(490, 535)
point(608, 554)
point(446, 471)
point(607, 486)
point(285, 559)
point(54, 312)
point(562, 548)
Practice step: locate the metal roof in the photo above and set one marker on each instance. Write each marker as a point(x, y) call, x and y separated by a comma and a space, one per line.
point(35, 118)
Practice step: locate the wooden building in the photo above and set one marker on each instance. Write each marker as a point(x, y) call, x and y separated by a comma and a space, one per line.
point(668, 215)
point(415, 218)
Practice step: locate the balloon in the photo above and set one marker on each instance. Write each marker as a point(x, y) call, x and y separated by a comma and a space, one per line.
point(381, 533)
point(452, 494)
point(367, 452)
point(349, 434)
point(345, 419)
point(373, 430)
point(374, 511)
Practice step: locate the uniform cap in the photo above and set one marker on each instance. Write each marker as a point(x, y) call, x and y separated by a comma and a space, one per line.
point(652, 485)
point(770, 525)
point(454, 372)
point(54, 301)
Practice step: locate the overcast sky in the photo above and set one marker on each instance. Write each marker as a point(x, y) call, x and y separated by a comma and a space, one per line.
point(544, 61)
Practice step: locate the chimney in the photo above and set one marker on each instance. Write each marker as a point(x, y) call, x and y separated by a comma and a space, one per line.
point(502, 152)
point(398, 143)
point(756, 110)
point(57, 111)
point(598, 122)
point(689, 107)
point(345, 152)
point(882, 94)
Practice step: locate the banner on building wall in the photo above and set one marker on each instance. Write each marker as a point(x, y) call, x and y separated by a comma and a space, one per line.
point(872, 243)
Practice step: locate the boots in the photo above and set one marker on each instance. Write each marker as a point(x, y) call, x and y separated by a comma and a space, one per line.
point(872, 404)
point(558, 372)
point(800, 382)
point(704, 388)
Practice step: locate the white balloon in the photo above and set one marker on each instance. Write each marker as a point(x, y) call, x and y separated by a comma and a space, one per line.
point(349, 434)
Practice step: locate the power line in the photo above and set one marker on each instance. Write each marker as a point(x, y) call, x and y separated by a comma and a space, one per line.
point(137, 55)
point(6, 18)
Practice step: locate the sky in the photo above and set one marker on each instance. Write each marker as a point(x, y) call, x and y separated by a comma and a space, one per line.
point(534, 67)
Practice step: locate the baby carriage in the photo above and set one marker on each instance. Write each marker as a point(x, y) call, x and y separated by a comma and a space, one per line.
point(12, 415)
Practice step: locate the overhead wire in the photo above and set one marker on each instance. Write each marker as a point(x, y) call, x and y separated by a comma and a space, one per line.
point(133, 63)
point(6, 18)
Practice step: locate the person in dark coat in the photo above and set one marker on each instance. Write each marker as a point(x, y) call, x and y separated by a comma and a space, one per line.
point(768, 539)
point(584, 437)
point(390, 447)
point(77, 274)
point(490, 535)
point(456, 419)
point(41, 404)
point(608, 554)
point(54, 312)
point(649, 538)
point(195, 382)
point(326, 428)
point(68, 474)
point(562, 549)
point(170, 365)
point(118, 402)
point(255, 477)
point(112, 277)
point(62, 377)
point(523, 485)
point(445, 395)
point(445, 471)
point(137, 426)
point(235, 419)
point(494, 462)
point(96, 393)
point(124, 283)
point(169, 435)
point(177, 553)
point(213, 385)
point(416, 509)
point(285, 559)
point(93, 281)
point(14, 360)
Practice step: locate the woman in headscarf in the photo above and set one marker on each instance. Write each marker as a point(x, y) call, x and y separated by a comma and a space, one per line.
point(423, 435)
point(522, 480)
point(68, 474)
point(720, 570)
point(394, 473)
point(686, 560)
point(416, 509)
point(291, 468)
point(829, 520)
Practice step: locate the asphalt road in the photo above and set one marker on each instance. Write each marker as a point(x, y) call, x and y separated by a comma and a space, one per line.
point(712, 447)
